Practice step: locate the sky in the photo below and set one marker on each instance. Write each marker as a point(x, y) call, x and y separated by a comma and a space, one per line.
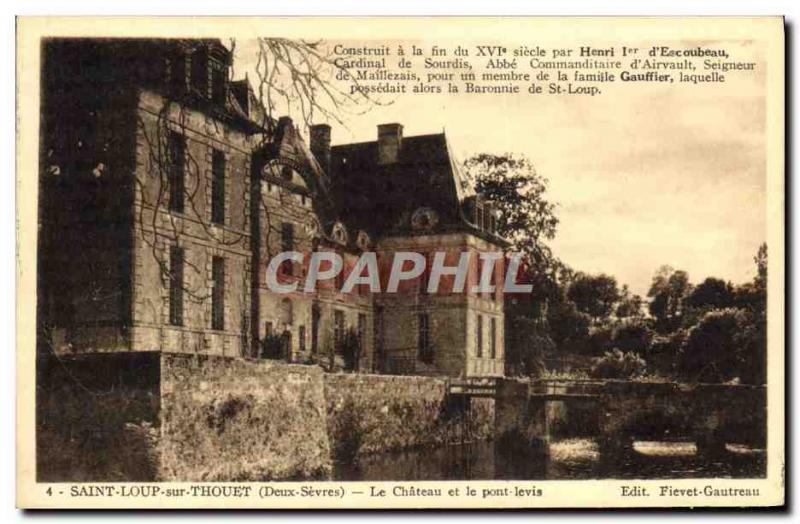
point(642, 175)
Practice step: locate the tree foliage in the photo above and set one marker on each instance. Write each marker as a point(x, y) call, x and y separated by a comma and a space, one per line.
point(527, 218)
point(667, 297)
point(594, 295)
point(710, 351)
point(618, 364)
point(629, 304)
point(527, 346)
point(711, 293)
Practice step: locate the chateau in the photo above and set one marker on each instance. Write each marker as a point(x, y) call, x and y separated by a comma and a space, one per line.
point(166, 189)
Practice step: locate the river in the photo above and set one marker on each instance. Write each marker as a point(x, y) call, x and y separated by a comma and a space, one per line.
point(567, 459)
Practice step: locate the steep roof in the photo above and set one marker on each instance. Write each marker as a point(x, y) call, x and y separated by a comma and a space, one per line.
point(381, 199)
point(288, 148)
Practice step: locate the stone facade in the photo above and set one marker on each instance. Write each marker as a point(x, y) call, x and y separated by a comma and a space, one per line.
point(166, 192)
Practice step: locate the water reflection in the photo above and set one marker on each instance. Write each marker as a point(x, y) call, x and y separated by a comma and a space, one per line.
point(567, 459)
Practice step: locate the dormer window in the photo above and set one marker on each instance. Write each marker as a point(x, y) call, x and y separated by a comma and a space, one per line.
point(492, 223)
point(219, 82)
point(200, 72)
point(479, 215)
point(177, 73)
point(286, 174)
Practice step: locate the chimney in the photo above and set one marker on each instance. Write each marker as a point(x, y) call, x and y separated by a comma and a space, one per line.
point(390, 139)
point(320, 138)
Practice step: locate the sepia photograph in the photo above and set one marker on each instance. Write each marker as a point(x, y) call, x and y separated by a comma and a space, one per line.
point(380, 266)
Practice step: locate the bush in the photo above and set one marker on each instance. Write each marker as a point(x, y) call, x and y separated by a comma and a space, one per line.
point(752, 349)
point(665, 353)
point(633, 335)
point(710, 350)
point(616, 364)
point(526, 348)
point(349, 347)
point(274, 347)
point(600, 340)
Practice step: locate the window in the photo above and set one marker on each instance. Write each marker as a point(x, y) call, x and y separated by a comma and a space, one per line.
point(267, 329)
point(287, 236)
point(286, 312)
point(479, 336)
point(362, 329)
point(338, 327)
point(339, 279)
point(426, 275)
point(218, 187)
point(200, 72)
point(487, 217)
point(488, 270)
point(315, 316)
point(493, 342)
point(218, 85)
point(176, 286)
point(176, 161)
point(492, 282)
point(287, 244)
point(424, 348)
point(301, 338)
point(218, 293)
point(177, 74)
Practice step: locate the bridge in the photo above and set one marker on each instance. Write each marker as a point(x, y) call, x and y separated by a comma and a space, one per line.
point(616, 412)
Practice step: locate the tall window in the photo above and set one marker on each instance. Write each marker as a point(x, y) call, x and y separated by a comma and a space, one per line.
point(200, 72)
point(218, 84)
point(287, 244)
point(338, 280)
point(424, 347)
point(177, 175)
point(493, 341)
point(362, 329)
point(479, 215)
point(301, 338)
point(484, 272)
point(425, 278)
point(177, 73)
point(218, 187)
point(479, 336)
point(338, 327)
point(176, 286)
point(218, 293)
point(315, 317)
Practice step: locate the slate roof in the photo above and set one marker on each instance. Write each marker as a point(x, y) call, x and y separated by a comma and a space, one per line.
point(381, 199)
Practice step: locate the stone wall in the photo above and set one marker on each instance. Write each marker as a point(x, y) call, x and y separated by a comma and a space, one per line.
point(374, 413)
point(178, 417)
point(233, 419)
point(97, 418)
